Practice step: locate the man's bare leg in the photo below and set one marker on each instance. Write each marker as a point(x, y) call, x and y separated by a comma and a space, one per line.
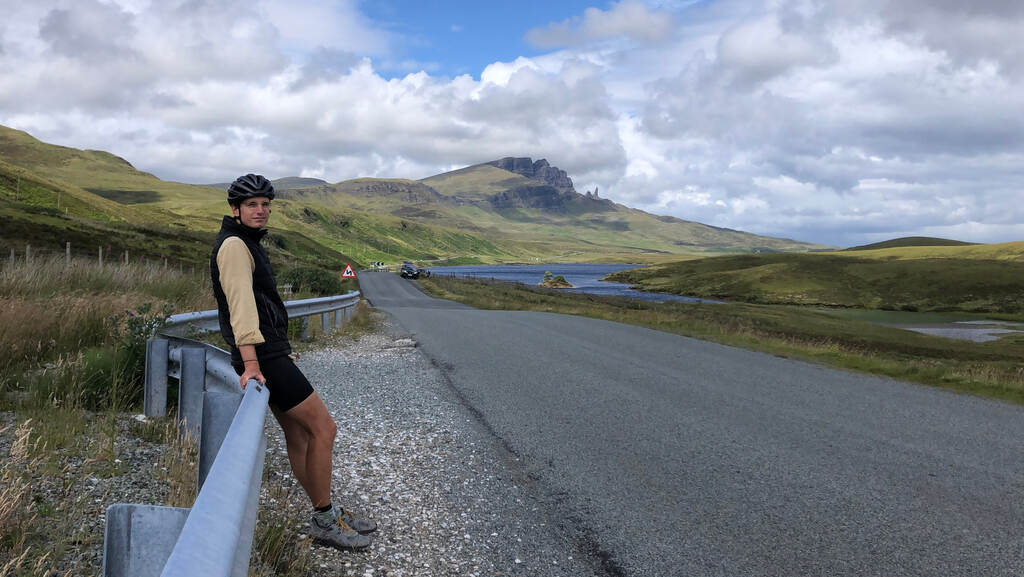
point(297, 442)
point(309, 434)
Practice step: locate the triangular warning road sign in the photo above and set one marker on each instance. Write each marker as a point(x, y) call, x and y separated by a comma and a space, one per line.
point(349, 273)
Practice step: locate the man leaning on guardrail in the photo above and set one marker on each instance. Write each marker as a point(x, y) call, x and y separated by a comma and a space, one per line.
point(254, 323)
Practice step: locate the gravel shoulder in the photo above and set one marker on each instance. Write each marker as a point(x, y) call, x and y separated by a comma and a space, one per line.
point(449, 498)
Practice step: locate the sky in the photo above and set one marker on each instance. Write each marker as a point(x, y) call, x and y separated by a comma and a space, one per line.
point(838, 122)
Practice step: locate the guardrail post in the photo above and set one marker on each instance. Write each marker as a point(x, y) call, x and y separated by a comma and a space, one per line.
point(218, 411)
point(325, 323)
point(138, 539)
point(190, 390)
point(248, 522)
point(337, 318)
point(155, 397)
point(348, 313)
point(305, 329)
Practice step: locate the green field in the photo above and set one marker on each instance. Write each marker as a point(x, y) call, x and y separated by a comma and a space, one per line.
point(967, 278)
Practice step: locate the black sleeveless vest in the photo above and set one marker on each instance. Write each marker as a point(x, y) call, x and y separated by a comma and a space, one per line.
point(273, 316)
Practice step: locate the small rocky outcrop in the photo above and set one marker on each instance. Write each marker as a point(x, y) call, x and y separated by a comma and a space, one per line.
point(557, 282)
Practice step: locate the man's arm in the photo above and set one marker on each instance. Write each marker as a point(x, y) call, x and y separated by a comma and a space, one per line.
point(236, 267)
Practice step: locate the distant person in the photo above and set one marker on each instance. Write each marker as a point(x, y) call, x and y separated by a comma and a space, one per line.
point(254, 324)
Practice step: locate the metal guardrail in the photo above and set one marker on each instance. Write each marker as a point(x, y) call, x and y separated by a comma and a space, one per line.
point(181, 324)
point(218, 532)
point(158, 352)
point(215, 536)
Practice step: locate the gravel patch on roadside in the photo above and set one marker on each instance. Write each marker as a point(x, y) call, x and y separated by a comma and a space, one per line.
point(449, 499)
point(448, 496)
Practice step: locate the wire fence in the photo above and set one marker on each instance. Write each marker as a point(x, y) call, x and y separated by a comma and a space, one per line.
point(99, 255)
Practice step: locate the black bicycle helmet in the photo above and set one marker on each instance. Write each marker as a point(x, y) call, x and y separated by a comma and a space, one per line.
point(249, 186)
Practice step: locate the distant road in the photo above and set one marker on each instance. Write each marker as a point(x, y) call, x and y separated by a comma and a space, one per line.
point(679, 457)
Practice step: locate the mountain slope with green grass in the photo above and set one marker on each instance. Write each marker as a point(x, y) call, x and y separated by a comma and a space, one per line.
point(478, 214)
point(910, 241)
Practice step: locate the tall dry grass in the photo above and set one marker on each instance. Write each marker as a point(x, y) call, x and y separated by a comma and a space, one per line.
point(44, 278)
point(74, 335)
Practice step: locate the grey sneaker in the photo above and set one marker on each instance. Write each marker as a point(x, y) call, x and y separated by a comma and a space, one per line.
point(361, 526)
point(338, 535)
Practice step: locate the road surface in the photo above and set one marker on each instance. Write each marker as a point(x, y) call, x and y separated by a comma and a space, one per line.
point(674, 456)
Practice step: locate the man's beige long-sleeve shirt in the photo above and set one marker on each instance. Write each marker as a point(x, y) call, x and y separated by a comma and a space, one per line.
point(236, 268)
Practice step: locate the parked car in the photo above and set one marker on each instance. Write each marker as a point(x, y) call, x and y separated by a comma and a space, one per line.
point(409, 270)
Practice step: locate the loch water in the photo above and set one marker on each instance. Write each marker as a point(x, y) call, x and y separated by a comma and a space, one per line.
point(586, 278)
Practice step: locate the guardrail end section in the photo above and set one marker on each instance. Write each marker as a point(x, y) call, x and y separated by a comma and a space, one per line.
point(138, 539)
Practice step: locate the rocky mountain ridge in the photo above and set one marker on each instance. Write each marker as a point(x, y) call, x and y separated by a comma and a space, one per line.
point(539, 170)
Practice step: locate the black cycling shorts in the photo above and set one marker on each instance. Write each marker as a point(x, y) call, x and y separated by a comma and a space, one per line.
point(288, 386)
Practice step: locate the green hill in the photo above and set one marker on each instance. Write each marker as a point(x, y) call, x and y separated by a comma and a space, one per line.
point(970, 278)
point(910, 241)
point(510, 210)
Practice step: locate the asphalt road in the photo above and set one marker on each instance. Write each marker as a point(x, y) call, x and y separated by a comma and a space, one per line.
point(674, 456)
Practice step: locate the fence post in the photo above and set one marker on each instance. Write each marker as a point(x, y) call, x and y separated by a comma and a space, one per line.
point(28, 254)
point(190, 390)
point(125, 256)
point(12, 257)
point(67, 253)
point(154, 402)
point(101, 257)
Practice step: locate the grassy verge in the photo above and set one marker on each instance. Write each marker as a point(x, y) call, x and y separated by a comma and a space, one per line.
point(63, 468)
point(991, 369)
point(75, 336)
point(981, 279)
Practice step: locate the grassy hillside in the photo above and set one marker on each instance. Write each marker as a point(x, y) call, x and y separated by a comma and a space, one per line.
point(977, 278)
point(96, 172)
point(574, 228)
point(910, 241)
point(477, 214)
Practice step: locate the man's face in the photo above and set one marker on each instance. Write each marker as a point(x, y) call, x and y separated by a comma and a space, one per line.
point(253, 212)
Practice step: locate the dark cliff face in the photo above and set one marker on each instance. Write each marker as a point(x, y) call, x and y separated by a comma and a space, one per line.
point(540, 171)
point(409, 192)
point(541, 196)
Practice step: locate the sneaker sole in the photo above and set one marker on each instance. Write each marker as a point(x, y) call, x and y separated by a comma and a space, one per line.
point(334, 545)
point(364, 532)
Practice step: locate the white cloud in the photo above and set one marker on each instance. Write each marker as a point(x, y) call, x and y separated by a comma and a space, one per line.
point(306, 25)
point(627, 19)
point(837, 122)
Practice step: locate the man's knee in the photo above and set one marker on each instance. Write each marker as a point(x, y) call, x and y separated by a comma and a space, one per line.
point(325, 429)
